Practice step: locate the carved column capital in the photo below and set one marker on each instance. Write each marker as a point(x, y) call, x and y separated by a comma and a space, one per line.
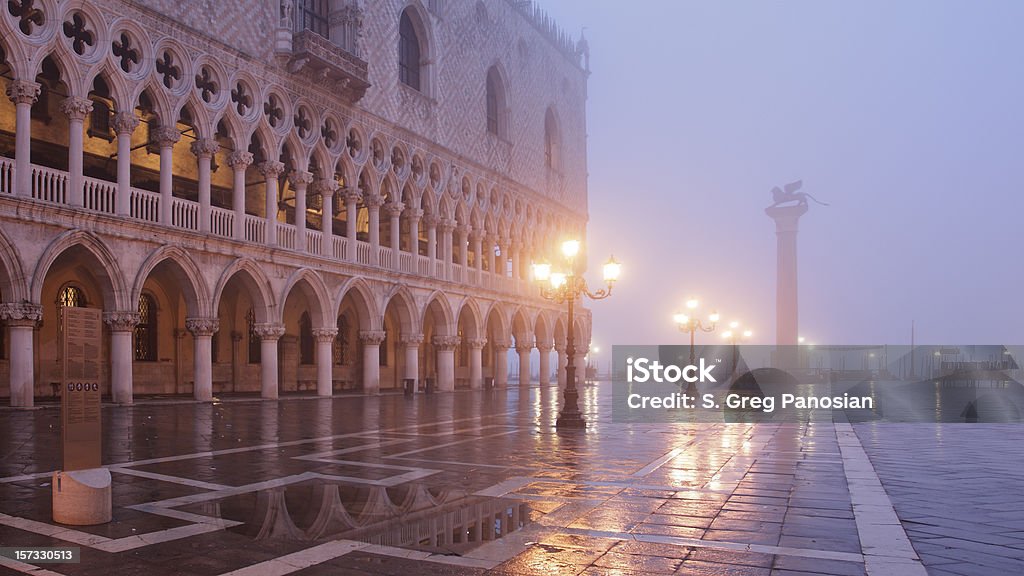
point(524, 346)
point(411, 339)
point(446, 225)
point(268, 331)
point(21, 314)
point(23, 91)
point(325, 334)
point(271, 169)
point(325, 186)
point(124, 122)
point(352, 194)
point(445, 342)
point(124, 321)
point(165, 136)
point(240, 159)
point(202, 326)
point(500, 345)
point(300, 178)
point(431, 220)
point(393, 209)
point(414, 214)
point(205, 147)
point(372, 337)
point(75, 107)
point(477, 343)
point(373, 200)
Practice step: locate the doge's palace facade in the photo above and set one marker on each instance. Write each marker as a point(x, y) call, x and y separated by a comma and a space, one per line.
point(286, 195)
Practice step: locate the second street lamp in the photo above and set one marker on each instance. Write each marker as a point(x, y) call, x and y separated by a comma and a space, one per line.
point(566, 286)
point(688, 322)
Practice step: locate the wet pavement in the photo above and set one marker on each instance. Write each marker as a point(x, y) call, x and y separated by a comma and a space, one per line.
point(480, 483)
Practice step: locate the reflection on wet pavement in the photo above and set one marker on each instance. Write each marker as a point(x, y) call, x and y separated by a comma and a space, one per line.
point(470, 482)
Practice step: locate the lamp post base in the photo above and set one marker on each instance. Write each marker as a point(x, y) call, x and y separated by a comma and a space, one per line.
point(570, 421)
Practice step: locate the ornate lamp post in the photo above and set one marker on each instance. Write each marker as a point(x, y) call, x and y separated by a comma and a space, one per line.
point(566, 286)
point(687, 322)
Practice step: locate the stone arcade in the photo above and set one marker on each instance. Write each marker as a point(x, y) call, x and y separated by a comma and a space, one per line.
point(352, 200)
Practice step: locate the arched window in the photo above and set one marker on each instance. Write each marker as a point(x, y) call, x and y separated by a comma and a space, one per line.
point(305, 339)
point(493, 111)
point(342, 354)
point(145, 330)
point(552, 142)
point(71, 296)
point(312, 15)
point(255, 353)
point(408, 53)
point(462, 350)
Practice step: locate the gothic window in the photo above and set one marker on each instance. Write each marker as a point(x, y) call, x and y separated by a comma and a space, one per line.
point(312, 15)
point(145, 330)
point(342, 355)
point(305, 339)
point(552, 142)
point(255, 356)
point(71, 296)
point(99, 119)
point(495, 102)
point(408, 52)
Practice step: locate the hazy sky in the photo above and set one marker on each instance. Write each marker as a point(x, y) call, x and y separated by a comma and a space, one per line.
point(907, 117)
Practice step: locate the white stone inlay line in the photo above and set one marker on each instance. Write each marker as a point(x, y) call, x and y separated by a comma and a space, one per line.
point(26, 568)
point(884, 543)
point(658, 463)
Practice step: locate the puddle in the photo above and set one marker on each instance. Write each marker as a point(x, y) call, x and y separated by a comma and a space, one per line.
point(414, 515)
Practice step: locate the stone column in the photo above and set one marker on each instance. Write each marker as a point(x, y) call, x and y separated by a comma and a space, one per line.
point(270, 170)
point(23, 93)
point(21, 318)
point(326, 187)
point(786, 303)
point(524, 360)
point(239, 161)
point(352, 198)
point(500, 364)
point(476, 238)
point(373, 204)
point(202, 330)
point(581, 363)
point(445, 346)
point(463, 234)
point(393, 210)
point(545, 363)
point(204, 149)
point(325, 360)
point(75, 108)
point(300, 181)
point(412, 342)
point(560, 366)
point(122, 328)
point(166, 137)
point(269, 334)
point(414, 215)
point(431, 223)
point(371, 340)
point(476, 368)
point(447, 226)
point(124, 125)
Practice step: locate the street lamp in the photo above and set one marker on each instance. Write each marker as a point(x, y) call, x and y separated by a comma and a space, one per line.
point(566, 286)
point(688, 322)
point(734, 336)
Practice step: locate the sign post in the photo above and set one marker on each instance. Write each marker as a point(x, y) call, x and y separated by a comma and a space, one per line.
point(81, 491)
